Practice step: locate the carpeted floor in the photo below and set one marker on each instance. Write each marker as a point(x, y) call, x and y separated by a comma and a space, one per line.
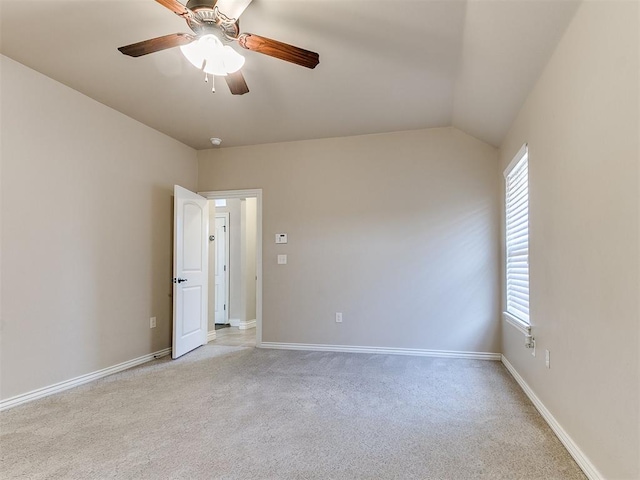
point(233, 412)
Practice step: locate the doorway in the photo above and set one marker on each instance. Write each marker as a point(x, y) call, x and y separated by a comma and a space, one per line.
point(235, 293)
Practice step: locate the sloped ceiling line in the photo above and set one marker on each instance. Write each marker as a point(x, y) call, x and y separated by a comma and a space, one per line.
point(384, 66)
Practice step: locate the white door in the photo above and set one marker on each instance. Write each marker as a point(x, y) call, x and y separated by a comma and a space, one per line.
point(222, 268)
point(190, 270)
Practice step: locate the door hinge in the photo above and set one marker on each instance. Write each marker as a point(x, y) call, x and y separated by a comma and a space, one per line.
point(225, 268)
point(225, 306)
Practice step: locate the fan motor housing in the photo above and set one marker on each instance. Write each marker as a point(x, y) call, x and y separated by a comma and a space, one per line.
point(207, 20)
point(194, 5)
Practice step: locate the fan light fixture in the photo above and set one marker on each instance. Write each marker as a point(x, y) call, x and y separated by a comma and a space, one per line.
point(207, 52)
point(209, 55)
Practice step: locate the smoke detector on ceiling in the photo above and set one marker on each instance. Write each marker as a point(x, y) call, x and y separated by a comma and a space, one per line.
point(215, 141)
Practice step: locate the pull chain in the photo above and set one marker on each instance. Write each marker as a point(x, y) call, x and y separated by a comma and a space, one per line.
point(206, 77)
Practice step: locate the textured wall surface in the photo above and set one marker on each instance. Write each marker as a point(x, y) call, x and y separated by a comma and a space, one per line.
point(399, 232)
point(581, 124)
point(87, 228)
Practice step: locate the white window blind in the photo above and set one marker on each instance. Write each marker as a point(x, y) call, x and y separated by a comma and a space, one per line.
point(517, 236)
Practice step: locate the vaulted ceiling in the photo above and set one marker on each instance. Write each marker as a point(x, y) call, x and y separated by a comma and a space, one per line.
point(384, 65)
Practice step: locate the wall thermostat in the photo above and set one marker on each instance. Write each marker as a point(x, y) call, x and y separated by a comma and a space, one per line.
point(281, 238)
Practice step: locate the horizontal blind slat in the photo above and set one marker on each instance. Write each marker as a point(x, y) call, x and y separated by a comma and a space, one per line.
point(518, 176)
point(515, 190)
point(516, 312)
point(519, 303)
point(518, 217)
point(516, 209)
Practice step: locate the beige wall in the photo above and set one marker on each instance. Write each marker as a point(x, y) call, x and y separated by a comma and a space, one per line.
point(86, 232)
point(581, 123)
point(398, 231)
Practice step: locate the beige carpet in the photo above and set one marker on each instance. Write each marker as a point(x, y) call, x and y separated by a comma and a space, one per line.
point(243, 413)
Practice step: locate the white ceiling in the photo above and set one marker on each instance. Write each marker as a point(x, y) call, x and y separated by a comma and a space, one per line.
point(384, 65)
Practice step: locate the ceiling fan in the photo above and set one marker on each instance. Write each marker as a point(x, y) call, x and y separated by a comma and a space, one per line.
point(213, 21)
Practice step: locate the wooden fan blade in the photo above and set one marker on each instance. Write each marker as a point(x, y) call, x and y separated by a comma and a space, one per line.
point(175, 6)
point(236, 83)
point(157, 44)
point(280, 50)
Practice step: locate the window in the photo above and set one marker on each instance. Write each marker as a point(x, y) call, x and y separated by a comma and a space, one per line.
point(517, 236)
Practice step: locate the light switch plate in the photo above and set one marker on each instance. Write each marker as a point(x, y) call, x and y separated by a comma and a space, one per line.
point(281, 238)
point(282, 259)
point(547, 358)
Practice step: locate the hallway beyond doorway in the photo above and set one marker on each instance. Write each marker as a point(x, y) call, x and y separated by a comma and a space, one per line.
point(234, 337)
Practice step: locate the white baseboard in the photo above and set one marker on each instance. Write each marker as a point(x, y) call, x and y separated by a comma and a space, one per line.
point(578, 455)
point(82, 379)
point(234, 322)
point(382, 350)
point(246, 325)
point(211, 335)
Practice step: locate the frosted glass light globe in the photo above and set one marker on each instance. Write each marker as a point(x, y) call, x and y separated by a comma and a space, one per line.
point(208, 54)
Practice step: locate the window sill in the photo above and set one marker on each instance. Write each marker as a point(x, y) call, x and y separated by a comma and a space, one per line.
point(517, 323)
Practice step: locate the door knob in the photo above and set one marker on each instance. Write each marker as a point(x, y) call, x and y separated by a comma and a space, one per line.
point(179, 280)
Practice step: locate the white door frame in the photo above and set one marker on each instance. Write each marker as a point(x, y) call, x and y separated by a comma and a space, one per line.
point(257, 194)
point(224, 215)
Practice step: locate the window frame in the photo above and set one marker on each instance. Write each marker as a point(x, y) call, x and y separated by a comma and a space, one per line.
point(512, 315)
